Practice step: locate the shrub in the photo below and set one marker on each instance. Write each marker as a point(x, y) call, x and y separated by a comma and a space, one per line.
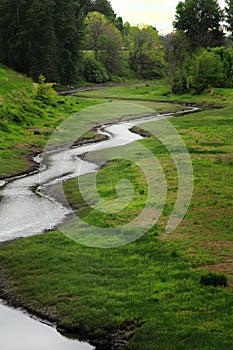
point(213, 279)
point(126, 71)
point(206, 71)
point(94, 71)
point(147, 65)
point(226, 56)
point(45, 92)
point(179, 83)
point(207, 68)
point(174, 253)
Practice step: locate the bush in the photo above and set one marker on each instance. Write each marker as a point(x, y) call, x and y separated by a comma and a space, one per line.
point(94, 71)
point(126, 71)
point(147, 65)
point(207, 68)
point(179, 83)
point(206, 71)
point(213, 279)
point(45, 92)
point(226, 56)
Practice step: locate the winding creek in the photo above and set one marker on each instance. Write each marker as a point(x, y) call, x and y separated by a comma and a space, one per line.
point(22, 214)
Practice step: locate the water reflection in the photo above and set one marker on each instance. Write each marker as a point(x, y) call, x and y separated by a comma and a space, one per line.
point(18, 331)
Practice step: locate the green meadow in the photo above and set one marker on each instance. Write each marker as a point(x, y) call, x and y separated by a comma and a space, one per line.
point(154, 282)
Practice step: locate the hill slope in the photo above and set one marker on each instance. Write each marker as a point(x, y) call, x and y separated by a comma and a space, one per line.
point(26, 123)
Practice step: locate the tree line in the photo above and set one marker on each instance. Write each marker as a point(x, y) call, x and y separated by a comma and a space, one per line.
point(57, 38)
point(84, 39)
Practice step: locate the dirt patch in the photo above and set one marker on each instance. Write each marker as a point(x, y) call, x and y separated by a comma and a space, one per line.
point(224, 252)
point(72, 91)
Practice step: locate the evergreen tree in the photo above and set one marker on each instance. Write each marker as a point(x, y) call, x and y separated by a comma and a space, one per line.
point(229, 16)
point(13, 44)
point(42, 37)
point(43, 54)
point(104, 7)
point(69, 29)
point(119, 24)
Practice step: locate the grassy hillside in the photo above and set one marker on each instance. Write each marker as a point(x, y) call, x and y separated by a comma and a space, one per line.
point(26, 123)
point(10, 80)
point(154, 283)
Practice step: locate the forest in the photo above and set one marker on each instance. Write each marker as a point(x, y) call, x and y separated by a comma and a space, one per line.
point(86, 41)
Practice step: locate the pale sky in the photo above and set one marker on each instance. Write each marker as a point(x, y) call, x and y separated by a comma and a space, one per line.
point(158, 13)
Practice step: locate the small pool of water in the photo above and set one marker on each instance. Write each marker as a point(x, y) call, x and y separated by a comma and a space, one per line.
point(18, 331)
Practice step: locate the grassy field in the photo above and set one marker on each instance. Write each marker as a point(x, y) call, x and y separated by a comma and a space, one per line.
point(153, 283)
point(159, 91)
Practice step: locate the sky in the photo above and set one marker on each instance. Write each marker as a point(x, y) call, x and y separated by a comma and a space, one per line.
point(158, 13)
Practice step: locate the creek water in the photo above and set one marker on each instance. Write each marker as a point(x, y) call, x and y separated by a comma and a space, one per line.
point(18, 331)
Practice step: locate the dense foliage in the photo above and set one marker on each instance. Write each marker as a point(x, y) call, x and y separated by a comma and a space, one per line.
point(45, 37)
point(206, 68)
point(42, 37)
point(104, 39)
point(85, 40)
point(199, 53)
point(93, 70)
point(145, 54)
point(51, 38)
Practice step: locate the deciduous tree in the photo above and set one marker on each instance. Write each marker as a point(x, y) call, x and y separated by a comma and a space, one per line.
point(201, 21)
point(146, 57)
point(206, 70)
point(105, 40)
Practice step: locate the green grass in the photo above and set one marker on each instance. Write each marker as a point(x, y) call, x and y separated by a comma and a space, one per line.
point(155, 280)
point(26, 124)
point(19, 141)
point(107, 181)
point(159, 91)
point(209, 139)
point(11, 80)
point(146, 281)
